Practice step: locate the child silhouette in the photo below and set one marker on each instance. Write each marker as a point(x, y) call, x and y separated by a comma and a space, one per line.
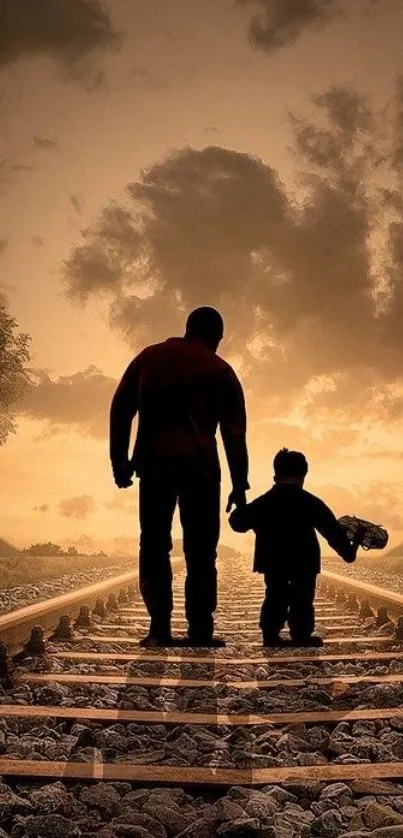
point(287, 549)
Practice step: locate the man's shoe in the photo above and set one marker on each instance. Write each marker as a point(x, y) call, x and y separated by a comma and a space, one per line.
point(313, 640)
point(274, 641)
point(152, 641)
point(204, 642)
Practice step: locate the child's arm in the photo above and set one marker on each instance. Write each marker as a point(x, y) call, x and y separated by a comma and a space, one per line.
point(328, 526)
point(244, 518)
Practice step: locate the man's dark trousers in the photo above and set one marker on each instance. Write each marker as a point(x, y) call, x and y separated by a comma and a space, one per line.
point(290, 594)
point(197, 491)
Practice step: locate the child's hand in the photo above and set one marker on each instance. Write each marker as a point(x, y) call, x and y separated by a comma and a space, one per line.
point(358, 537)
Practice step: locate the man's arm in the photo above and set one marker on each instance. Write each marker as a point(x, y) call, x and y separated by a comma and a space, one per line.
point(328, 526)
point(123, 409)
point(232, 421)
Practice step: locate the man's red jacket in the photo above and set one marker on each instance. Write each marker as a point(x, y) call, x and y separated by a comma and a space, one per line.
point(181, 391)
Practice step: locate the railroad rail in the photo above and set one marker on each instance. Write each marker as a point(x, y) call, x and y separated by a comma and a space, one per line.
point(45, 649)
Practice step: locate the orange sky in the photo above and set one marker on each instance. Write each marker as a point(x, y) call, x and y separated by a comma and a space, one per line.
point(186, 77)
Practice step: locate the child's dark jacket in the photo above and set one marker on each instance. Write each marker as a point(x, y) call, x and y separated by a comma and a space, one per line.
point(285, 519)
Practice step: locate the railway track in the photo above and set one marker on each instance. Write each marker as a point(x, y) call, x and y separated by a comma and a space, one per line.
point(243, 716)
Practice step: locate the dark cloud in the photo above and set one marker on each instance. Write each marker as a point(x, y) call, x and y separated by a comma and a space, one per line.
point(44, 144)
point(292, 272)
point(184, 237)
point(38, 241)
point(44, 507)
point(149, 81)
point(78, 507)
point(66, 31)
point(77, 202)
point(3, 245)
point(80, 401)
point(278, 23)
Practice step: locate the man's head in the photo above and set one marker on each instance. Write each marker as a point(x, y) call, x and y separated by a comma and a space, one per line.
point(290, 467)
point(205, 324)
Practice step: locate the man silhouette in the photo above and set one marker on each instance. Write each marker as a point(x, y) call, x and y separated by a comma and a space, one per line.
point(181, 390)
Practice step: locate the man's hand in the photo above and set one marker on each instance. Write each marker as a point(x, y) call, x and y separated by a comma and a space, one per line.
point(236, 498)
point(123, 476)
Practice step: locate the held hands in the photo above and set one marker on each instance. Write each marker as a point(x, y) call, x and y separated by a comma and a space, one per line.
point(236, 498)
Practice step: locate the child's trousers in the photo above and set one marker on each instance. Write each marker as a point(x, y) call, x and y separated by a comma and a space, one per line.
point(289, 598)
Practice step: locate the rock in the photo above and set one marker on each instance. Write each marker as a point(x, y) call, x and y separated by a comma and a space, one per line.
point(172, 797)
point(338, 793)
point(135, 798)
point(262, 807)
point(245, 828)
point(281, 794)
point(375, 815)
point(200, 828)
point(49, 826)
point(122, 788)
point(394, 741)
point(87, 755)
point(227, 810)
point(357, 823)
point(50, 800)
point(374, 787)
point(328, 825)
point(292, 744)
point(172, 819)
point(239, 794)
point(17, 829)
point(356, 834)
point(111, 739)
point(123, 830)
point(388, 832)
point(101, 796)
point(310, 789)
point(11, 804)
point(132, 818)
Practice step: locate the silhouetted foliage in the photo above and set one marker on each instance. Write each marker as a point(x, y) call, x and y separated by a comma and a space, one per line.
point(13, 375)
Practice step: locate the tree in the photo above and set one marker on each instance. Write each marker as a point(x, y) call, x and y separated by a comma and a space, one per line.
point(45, 549)
point(14, 378)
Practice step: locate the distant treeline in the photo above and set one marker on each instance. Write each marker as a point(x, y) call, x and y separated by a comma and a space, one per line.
point(48, 548)
point(21, 570)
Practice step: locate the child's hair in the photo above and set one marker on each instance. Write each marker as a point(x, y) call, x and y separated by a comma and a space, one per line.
point(289, 464)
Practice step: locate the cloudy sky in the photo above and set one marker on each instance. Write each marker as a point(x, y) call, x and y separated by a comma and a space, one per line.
point(246, 154)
